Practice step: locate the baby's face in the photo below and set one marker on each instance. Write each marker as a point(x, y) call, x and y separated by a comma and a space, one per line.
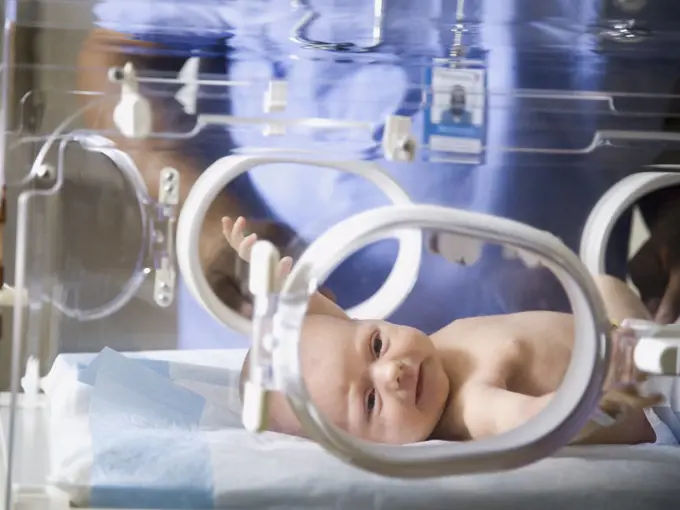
point(375, 380)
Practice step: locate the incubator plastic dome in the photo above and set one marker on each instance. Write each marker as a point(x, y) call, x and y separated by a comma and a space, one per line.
point(91, 220)
point(390, 295)
point(471, 118)
point(100, 233)
point(279, 347)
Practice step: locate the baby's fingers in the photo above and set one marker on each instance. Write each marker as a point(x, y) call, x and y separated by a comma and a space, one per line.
point(282, 270)
point(631, 397)
point(246, 246)
point(238, 232)
point(652, 401)
point(229, 232)
point(644, 401)
point(284, 267)
point(234, 232)
point(227, 226)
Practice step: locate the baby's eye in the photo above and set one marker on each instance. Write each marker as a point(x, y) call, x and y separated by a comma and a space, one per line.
point(376, 345)
point(370, 401)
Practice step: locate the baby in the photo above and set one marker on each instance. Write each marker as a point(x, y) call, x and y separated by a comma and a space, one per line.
point(475, 378)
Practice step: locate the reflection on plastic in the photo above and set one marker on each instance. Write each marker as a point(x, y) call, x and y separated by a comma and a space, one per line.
point(299, 31)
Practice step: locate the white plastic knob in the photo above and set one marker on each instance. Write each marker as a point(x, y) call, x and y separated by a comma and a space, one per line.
point(264, 261)
point(659, 356)
point(398, 144)
point(188, 94)
point(456, 249)
point(132, 117)
point(132, 114)
point(255, 409)
point(276, 97)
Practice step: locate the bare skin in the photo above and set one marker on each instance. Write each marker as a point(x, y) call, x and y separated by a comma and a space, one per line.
point(515, 366)
point(474, 378)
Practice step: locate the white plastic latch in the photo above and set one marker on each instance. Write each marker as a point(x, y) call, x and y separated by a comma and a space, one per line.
point(188, 77)
point(132, 114)
point(464, 251)
point(30, 382)
point(6, 295)
point(255, 408)
point(276, 97)
point(398, 143)
point(530, 260)
point(657, 350)
point(264, 261)
point(275, 101)
point(659, 356)
point(262, 283)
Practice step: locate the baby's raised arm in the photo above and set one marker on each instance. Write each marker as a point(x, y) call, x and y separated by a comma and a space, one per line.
point(235, 234)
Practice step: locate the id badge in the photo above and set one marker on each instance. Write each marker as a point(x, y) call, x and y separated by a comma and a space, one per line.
point(455, 114)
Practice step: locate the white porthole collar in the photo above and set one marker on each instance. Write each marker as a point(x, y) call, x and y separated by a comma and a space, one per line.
point(606, 213)
point(212, 182)
point(552, 429)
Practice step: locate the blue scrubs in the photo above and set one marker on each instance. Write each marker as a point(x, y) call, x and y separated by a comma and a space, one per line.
point(530, 45)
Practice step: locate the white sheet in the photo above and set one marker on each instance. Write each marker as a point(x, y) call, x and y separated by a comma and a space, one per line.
point(275, 471)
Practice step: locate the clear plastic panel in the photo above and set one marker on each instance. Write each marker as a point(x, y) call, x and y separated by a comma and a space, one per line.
point(421, 400)
point(567, 102)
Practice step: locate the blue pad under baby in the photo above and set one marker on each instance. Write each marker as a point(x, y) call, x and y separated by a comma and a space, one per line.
point(147, 421)
point(665, 418)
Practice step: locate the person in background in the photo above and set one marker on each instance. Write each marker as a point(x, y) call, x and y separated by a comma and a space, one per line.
point(547, 48)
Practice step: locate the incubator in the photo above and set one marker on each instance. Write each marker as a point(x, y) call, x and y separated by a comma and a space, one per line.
point(423, 161)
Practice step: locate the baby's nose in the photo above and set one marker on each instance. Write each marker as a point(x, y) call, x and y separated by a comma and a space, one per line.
point(390, 374)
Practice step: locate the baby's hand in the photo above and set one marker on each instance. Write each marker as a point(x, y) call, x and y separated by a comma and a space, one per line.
point(626, 398)
point(624, 380)
point(235, 234)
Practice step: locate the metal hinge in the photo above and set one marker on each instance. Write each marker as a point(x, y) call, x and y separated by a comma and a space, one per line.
point(161, 255)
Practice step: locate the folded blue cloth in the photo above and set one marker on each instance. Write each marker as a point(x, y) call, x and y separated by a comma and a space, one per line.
point(147, 424)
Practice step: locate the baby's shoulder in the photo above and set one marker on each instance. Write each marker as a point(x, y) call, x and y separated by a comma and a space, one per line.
point(489, 336)
point(488, 348)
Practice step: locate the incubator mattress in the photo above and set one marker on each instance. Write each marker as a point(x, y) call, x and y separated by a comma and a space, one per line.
point(150, 464)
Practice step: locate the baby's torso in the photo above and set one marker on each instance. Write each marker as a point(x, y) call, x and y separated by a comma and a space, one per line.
point(526, 353)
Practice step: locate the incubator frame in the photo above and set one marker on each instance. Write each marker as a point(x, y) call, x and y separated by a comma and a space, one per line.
point(617, 200)
point(551, 430)
point(211, 183)
point(133, 113)
point(298, 33)
point(563, 418)
point(156, 217)
point(658, 348)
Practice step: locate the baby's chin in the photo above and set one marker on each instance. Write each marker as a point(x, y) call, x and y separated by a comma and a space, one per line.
point(440, 389)
point(404, 437)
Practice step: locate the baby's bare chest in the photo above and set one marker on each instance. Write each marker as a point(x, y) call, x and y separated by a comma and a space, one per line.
point(528, 353)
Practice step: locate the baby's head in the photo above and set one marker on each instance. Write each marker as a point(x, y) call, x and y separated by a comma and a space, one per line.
point(377, 381)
